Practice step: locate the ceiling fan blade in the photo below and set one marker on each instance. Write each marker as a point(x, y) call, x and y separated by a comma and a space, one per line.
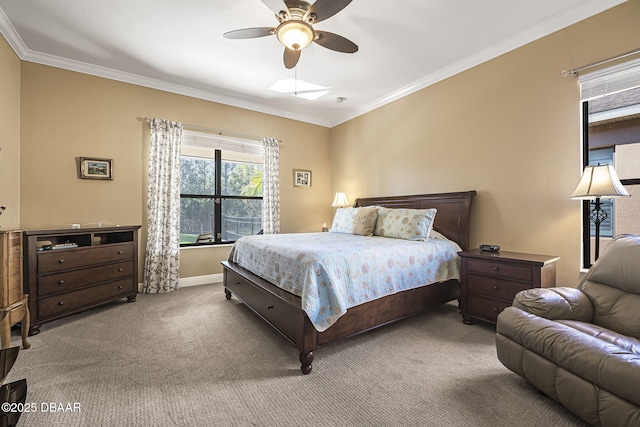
point(324, 9)
point(249, 33)
point(276, 6)
point(335, 42)
point(291, 57)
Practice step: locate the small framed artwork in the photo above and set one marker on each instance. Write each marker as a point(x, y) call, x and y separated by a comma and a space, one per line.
point(91, 168)
point(301, 178)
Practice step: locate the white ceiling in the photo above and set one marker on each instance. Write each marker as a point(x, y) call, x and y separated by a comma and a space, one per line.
point(178, 46)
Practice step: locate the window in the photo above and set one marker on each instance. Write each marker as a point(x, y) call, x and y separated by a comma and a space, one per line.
point(603, 156)
point(611, 135)
point(221, 190)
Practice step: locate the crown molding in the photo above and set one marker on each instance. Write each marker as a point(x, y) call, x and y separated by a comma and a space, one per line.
point(539, 31)
point(559, 22)
point(25, 54)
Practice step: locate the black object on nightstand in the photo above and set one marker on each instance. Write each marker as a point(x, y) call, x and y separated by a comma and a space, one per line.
point(490, 280)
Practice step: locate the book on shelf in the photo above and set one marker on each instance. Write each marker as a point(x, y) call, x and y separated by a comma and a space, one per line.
point(65, 245)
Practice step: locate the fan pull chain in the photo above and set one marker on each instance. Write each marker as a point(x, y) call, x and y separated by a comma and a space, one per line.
point(295, 80)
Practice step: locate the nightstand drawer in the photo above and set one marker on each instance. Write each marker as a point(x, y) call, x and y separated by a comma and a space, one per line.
point(485, 308)
point(492, 287)
point(500, 269)
point(491, 280)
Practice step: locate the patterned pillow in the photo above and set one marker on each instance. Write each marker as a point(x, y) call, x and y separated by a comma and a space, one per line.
point(408, 224)
point(361, 221)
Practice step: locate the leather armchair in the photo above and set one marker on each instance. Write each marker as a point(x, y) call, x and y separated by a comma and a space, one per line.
point(581, 346)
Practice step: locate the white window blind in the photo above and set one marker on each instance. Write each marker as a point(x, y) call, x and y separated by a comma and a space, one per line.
point(610, 80)
point(203, 144)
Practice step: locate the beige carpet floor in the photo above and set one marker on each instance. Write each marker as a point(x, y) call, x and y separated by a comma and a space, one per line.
point(192, 358)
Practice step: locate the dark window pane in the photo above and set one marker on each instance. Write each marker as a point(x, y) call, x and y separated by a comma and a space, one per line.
point(241, 179)
point(240, 218)
point(196, 217)
point(197, 176)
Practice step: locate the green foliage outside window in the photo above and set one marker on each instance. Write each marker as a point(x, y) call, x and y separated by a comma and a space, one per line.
point(240, 184)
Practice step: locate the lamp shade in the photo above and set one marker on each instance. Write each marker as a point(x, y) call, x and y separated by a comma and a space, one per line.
point(599, 181)
point(340, 200)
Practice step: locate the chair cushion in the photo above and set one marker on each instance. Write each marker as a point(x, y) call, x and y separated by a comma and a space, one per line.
point(596, 360)
point(618, 265)
point(614, 308)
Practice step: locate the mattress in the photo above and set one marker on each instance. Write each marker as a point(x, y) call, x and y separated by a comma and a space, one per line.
point(332, 272)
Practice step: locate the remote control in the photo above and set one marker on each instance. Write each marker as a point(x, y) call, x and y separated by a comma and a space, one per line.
point(490, 248)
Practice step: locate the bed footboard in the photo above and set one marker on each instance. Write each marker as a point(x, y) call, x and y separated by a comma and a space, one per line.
point(283, 311)
point(279, 308)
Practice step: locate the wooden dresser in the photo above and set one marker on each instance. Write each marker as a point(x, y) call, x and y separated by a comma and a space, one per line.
point(13, 301)
point(71, 270)
point(490, 280)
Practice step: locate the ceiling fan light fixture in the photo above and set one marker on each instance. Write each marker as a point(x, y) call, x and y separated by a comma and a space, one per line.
point(295, 35)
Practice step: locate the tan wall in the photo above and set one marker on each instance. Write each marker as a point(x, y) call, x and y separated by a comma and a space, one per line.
point(9, 136)
point(66, 115)
point(509, 128)
point(627, 162)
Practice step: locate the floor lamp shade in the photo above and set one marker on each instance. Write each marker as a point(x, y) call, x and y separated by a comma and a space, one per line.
point(598, 181)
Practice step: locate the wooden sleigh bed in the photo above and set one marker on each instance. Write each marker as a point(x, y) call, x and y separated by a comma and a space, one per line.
point(283, 310)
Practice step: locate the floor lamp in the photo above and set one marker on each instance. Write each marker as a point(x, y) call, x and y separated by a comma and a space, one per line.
point(598, 181)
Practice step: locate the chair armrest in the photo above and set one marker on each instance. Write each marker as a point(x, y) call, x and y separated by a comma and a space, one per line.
point(555, 303)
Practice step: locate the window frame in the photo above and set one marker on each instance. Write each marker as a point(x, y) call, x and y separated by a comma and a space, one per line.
point(586, 204)
point(218, 199)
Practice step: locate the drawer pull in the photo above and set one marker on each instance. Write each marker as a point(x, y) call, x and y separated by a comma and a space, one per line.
point(61, 303)
point(121, 269)
point(496, 309)
point(496, 287)
point(237, 283)
point(120, 287)
point(60, 261)
point(270, 307)
point(120, 252)
point(496, 268)
point(60, 282)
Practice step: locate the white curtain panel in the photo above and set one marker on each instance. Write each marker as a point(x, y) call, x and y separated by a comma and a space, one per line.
point(271, 186)
point(162, 257)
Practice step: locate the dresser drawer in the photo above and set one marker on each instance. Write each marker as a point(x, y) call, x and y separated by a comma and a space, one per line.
point(14, 279)
point(499, 269)
point(15, 240)
point(485, 308)
point(17, 313)
point(65, 259)
point(76, 300)
point(281, 315)
point(66, 281)
point(492, 287)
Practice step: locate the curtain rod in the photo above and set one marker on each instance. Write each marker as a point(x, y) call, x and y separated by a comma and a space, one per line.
point(574, 71)
point(220, 132)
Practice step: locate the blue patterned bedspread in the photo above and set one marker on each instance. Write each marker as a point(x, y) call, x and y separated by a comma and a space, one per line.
point(331, 272)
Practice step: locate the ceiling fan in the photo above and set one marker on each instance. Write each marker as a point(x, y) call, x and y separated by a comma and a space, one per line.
point(296, 30)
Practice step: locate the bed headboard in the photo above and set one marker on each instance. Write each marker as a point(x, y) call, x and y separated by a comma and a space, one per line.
point(454, 211)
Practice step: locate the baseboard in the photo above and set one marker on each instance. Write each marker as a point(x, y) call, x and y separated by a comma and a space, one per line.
point(200, 280)
point(185, 282)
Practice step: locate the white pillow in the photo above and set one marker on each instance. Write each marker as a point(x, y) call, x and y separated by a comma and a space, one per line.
point(360, 221)
point(408, 224)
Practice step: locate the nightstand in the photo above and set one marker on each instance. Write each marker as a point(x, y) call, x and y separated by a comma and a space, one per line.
point(490, 280)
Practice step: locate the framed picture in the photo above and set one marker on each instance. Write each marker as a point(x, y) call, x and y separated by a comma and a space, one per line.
point(91, 168)
point(301, 178)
